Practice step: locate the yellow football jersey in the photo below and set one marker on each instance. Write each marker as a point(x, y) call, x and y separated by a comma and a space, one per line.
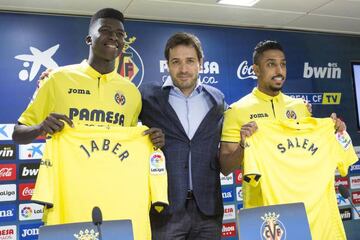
point(114, 168)
point(85, 95)
point(295, 161)
point(255, 106)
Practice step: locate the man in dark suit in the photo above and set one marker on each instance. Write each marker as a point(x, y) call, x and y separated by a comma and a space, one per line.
point(190, 114)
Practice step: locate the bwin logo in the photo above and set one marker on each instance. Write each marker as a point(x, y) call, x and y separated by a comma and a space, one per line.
point(331, 71)
point(38, 58)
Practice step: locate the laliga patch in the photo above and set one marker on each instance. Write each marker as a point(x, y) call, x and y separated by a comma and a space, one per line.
point(157, 163)
point(344, 139)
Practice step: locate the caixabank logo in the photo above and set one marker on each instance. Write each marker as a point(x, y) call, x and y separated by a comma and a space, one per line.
point(31, 151)
point(6, 131)
point(130, 63)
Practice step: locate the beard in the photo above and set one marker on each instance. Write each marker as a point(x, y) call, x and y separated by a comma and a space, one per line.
point(275, 88)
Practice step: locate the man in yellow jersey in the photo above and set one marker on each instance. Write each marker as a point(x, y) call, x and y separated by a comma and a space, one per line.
point(91, 92)
point(266, 101)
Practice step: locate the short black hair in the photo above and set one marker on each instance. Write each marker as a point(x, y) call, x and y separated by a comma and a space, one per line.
point(184, 38)
point(264, 46)
point(107, 13)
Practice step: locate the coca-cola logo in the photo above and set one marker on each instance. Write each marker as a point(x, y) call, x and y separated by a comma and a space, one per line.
point(7, 172)
point(245, 71)
point(27, 191)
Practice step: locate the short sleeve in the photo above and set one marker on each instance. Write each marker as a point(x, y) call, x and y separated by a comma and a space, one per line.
point(44, 187)
point(345, 152)
point(40, 106)
point(158, 179)
point(231, 127)
point(252, 172)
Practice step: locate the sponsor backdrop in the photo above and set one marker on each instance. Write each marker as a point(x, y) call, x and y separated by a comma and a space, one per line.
point(319, 71)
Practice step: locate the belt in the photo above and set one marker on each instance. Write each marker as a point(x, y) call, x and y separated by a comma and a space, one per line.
point(189, 195)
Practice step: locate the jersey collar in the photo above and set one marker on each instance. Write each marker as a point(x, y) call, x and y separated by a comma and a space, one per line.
point(95, 74)
point(267, 98)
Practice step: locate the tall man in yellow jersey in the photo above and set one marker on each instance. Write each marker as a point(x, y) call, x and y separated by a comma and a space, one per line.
point(266, 101)
point(91, 92)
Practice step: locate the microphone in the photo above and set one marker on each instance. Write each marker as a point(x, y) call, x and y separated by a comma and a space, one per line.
point(97, 219)
point(344, 192)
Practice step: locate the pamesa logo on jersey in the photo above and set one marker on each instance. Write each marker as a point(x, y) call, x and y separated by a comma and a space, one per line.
point(33, 62)
point(130, 64)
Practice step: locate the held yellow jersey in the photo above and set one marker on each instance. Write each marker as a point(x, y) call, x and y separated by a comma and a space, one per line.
point(295, 161)
point(85, 95)
point(114, 168)
point(253, 107)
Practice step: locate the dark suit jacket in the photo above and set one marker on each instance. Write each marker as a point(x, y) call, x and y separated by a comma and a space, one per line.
point(157, 112)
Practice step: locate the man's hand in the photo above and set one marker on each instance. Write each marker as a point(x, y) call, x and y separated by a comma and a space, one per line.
point(247, 130)
point(45, 73)
point(308, 106)
point(53, 123)
point(339, 125)
point(157, 137)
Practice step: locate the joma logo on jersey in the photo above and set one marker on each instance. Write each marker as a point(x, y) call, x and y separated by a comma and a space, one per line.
point(79, 91)
point(259, 115)
point(96, 115)
point(130, 63)
point(105, 145)
point(297, 143)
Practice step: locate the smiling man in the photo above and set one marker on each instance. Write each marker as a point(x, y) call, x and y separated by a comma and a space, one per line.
point(190, 114)
point(91, 92)
point(266, 101)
